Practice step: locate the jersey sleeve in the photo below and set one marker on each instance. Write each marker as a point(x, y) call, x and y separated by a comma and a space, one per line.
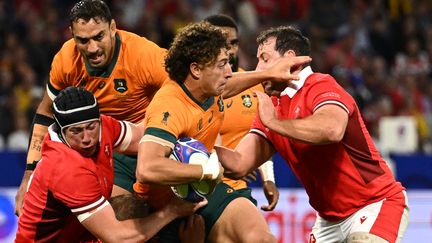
point(118, 131)
point(165, 122)
point(326, 91)
point(258, 128)
point(55, 83)
point(64, 61)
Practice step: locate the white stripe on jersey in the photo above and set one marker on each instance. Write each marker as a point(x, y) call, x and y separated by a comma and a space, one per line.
point(331, 102)
point(87, 207)
point(259, 132)
point(86, 215)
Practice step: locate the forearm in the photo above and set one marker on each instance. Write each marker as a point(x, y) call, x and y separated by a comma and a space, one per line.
point(167, 172)
point(232, 163)
point(312, 129)
point(241, 81)
point(38, 131)
point(143, 229)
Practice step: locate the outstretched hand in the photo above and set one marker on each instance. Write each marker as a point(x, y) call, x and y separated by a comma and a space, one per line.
point(266, 110)
point(283, 70)
point(272, 194)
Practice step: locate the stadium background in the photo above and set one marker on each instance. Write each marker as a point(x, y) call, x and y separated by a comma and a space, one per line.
point(379, 50)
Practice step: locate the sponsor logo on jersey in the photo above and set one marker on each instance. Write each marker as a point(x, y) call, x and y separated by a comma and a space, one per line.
point(120, 85)
point(247, 101)
point(82, 83)
point(297, 112)
point(107, 152)
point(101, 85)
point(229, 104)
point(362, 219)
point(220, 104)
point(165, 117)
point(199, 124)
point(312, 239)
point(211, 116)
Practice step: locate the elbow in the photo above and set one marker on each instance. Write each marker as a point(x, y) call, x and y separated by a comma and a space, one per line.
point(236, 173)
point(144, 175)
point(334, 135)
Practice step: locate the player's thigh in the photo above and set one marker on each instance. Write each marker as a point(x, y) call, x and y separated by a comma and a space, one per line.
point(241, 221)
point(124, 174)
point(364, 237)
point(386, 219)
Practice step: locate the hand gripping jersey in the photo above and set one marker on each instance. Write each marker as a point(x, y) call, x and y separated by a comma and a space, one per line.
point(66, 185)
point(175, 113)
point(339, 178)
point(240, 112)
point(124, 89)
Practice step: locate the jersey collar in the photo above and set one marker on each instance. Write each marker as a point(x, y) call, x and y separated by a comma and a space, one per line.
point(204, 105)
point(296, 85)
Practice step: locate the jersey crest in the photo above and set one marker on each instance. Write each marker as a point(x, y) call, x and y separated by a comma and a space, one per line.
point(247, 101)
point(120, 85)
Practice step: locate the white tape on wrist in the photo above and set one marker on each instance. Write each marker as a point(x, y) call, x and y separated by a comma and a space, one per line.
point(267, 172)
point(211, 168)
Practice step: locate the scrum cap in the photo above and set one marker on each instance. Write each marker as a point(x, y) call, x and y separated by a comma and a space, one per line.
point(75, 105)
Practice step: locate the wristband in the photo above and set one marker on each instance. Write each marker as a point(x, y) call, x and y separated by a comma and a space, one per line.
point(266, 171)
point(211, 168)
point(31, 166)
point(43, 120)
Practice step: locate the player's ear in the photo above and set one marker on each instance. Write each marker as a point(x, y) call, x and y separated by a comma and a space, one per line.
point(195, 70)
point(290, 53)
point(113, 27)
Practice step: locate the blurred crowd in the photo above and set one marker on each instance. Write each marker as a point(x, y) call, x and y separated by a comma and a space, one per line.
point(378, 50)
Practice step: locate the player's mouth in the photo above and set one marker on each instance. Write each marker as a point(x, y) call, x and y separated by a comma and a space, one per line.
point(89, 151)
point(96, 59)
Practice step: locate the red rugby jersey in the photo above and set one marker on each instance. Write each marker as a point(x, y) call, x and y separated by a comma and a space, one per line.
point(341, 177)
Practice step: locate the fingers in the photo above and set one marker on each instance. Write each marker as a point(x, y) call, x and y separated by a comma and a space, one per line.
point(261, 97)
point(299, 60)
point(17, 211)
point(200, 204)
point(195, 220)
point(272, 203)
point(294, 64)
point(19, 198)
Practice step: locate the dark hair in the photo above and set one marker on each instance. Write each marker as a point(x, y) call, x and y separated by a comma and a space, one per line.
point(287, 38)
point(199, 42)
point(222, 20)
point(90, 9)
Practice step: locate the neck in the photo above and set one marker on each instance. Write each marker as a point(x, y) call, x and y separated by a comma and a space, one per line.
point(195, 90)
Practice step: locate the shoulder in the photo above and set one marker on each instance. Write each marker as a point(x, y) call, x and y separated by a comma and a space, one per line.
point(68, 51)
point(138, 45)
point(67, 61)
point(170, 93)
point(322, 81)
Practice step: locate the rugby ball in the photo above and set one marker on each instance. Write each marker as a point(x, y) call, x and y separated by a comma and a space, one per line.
point(191, 151)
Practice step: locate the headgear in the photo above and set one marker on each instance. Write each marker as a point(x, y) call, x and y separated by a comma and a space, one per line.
point(74, 105)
